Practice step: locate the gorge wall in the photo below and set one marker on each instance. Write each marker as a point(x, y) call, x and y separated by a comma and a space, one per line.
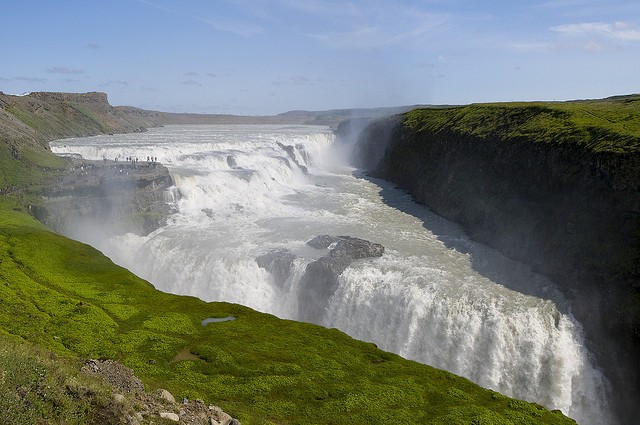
point(544, 188)
point(115, 197)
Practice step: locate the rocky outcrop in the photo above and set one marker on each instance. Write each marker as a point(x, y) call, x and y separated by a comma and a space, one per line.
point(121, 196)
point(97, 100)
point(279, 263)
point(291, 152)
point(571, 212)
point(320, 279)
point(132, 405)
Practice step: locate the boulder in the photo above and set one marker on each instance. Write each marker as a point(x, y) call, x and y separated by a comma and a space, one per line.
point(323, 241)
point(221, 417)
point(278, 262)
point(117, 374)
point(166, 395)
point(231, 161)
point(320, 279)
point(171, 416)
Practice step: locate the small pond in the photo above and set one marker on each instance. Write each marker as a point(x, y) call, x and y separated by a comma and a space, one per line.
point(205, 322)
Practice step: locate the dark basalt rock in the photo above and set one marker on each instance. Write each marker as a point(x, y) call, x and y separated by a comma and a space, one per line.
point(290, 150)
point(122, 196)
point(322, 241)
point(231, 161)
point(320, 279)
point(277, 262)
point(355, 248)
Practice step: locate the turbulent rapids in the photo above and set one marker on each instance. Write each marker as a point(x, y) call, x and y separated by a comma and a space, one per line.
point(246, 193)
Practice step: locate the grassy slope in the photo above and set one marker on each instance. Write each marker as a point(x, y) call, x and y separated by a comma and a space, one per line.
point(39, 387)
point(599, 126)
point(68, 298)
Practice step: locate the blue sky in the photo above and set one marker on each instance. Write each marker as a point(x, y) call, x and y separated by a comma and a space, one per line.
point(264, 57)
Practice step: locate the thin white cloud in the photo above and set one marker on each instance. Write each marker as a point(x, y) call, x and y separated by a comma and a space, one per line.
point(362, 37)
point(424, 65)
point(232, 26)
point(191, 83)
point(375, 36)
point(622, 31)
point(323, 7)
point(115, 82)
point(363, 25)
point(29, 79)
point(296, 80)
point(587, 36)
point(531, 46)
point(596, 46)
point(219, 23)
point(65, 70)
point(545, 46)
point(556, 4)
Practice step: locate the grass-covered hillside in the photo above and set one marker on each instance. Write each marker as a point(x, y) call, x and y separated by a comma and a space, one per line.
point(63, 301)
point(609, 125)
point(68, 298)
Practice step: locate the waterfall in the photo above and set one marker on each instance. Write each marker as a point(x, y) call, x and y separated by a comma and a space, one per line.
point(246, 193)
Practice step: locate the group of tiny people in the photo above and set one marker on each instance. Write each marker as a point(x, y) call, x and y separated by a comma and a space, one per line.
point(134, 160)
point(151, 160)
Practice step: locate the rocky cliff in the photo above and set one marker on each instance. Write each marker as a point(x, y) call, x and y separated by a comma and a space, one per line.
point(119, 196)
point(52, 115)
point(552, 185)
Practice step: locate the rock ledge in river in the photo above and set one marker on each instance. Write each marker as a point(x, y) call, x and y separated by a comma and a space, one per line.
point(320, 279)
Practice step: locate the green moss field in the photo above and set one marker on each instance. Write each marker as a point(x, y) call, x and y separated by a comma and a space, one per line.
point(609, 125)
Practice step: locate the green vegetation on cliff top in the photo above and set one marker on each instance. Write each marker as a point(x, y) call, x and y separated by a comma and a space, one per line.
point(609, 125)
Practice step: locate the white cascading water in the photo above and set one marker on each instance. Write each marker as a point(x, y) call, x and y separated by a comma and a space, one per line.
point(434, 296)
